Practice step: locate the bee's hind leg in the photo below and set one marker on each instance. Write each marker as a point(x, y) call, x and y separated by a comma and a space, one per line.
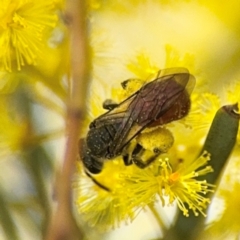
point(127, 161)
point(137, 156)
point(109, 104)
point(142, 164)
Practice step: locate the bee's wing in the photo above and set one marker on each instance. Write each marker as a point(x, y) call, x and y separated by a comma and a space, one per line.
point(119, 112)
point(159, 96)
point(171, 90)
point(146, 106)
point(118, 123)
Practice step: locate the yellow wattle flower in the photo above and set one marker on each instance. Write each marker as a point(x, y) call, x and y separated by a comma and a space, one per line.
point(23, 26)
point(100, 208)
point(13, 130)
point(204, 104)
point(142, 66)
point(180, 185)
point(131, 189)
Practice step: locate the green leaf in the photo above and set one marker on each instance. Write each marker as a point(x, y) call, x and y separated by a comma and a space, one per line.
point(219, 143)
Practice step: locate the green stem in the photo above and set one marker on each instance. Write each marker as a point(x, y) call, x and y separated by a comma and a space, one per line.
point(36, 162)
point(219, 143)
point(39, 139)
point(6, 218)
point(157, 217)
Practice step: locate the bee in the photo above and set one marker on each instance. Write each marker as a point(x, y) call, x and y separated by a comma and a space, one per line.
point(114, 133)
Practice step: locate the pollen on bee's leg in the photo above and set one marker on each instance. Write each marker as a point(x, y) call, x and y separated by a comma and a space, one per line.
point(156, 138)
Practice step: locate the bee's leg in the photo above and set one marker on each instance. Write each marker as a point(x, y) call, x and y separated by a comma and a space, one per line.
point(125, 83)
point(109, 104)
point(96, 182)
point(138, 153)
point(127, 161)
point(127, 153)
point(142, 164)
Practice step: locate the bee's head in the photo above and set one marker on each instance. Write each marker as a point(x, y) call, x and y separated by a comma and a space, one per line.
point(91, 163)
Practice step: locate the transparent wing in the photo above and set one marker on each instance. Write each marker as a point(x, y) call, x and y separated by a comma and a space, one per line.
point(158, 102)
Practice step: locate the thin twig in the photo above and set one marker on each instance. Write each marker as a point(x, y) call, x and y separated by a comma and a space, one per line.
point(158, 218)
point(63, 225)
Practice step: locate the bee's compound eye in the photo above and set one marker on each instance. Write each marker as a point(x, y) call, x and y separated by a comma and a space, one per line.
point(156, 150)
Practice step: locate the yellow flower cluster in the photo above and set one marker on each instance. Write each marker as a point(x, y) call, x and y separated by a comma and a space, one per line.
point(23, 30)
point(171, 178)
point(180, 185)
point(133, 189)
point(14, 130)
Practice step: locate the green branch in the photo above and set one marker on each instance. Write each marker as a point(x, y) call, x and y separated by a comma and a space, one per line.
point(219, 143)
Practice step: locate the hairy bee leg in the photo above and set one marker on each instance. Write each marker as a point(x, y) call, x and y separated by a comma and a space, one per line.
point(127, 153)
point(137, 154)
point(96, 182)
point(127, 161)
point(109, 104)
point(143, 164)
